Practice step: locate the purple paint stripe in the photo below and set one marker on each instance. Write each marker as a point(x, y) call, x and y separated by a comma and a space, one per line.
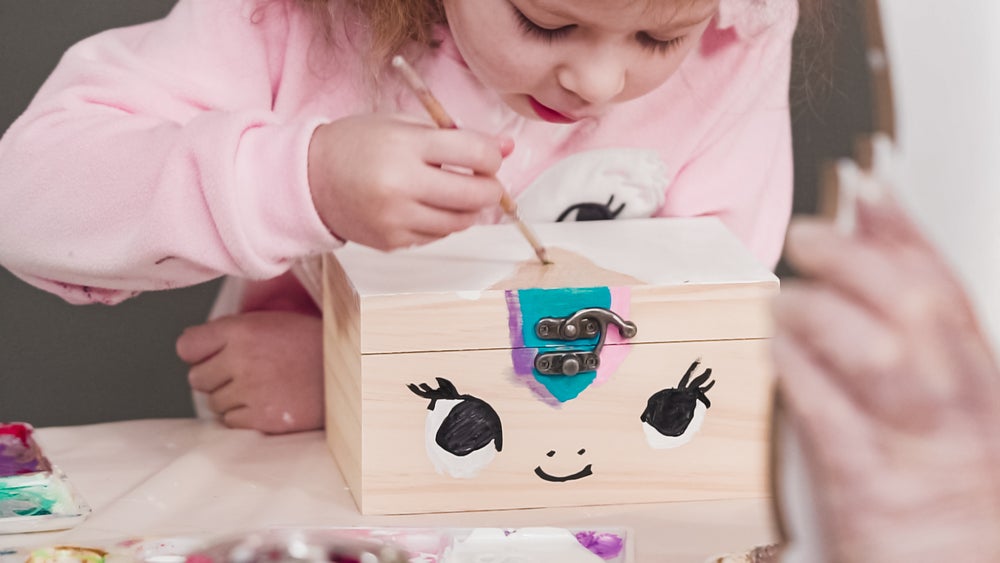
point(514, 319)
point(523, 359)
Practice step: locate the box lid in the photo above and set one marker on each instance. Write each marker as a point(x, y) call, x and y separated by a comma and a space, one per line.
point(676, 279)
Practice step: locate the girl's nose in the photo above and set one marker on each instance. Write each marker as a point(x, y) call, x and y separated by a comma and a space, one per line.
point(596, 80)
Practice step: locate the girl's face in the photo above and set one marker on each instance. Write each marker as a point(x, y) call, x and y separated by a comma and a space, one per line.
point(565, 60)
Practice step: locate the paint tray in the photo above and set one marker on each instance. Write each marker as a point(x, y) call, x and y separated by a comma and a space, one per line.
point(418, 545)
point(35, 495)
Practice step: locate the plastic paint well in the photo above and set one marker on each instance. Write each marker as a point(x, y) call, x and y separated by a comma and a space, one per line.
point(34, 495)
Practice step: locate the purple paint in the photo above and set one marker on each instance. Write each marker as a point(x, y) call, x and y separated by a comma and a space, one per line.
point(19, 453)
point(524, 358)
point(605, 545)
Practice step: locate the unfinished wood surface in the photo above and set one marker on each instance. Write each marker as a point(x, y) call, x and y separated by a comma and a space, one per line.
point(342, 372)
point(424, 322)
point(725, 459)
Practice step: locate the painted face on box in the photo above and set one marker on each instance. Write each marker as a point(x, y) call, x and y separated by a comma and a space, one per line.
point(565, 345)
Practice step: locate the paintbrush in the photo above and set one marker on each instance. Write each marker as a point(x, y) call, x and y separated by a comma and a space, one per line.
point(444, 121)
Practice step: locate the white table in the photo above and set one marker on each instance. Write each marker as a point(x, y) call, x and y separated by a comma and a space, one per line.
point(168, 478)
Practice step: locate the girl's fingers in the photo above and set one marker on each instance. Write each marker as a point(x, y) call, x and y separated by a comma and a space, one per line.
point(453, 191)
point(479, 153)
point(437, 223)
point(199, 343)
point(226, 398)
point(239, 417)
point(207, 376)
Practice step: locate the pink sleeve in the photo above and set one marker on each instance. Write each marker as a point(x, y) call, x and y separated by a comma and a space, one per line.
point(152, 158)
point(742, 171)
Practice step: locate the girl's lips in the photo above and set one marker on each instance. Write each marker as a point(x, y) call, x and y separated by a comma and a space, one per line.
point(547, 113)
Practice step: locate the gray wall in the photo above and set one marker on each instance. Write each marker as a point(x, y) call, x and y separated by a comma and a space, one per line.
point(61, 364)
point(64, 365)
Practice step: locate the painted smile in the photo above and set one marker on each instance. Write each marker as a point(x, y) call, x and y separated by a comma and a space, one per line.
point(585, 472)
point(548, 114)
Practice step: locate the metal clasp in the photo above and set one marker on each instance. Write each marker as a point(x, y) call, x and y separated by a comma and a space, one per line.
point(583, 324)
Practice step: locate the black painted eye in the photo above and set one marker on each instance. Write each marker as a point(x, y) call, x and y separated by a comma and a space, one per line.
point(591, 211)
point(459, 429)
point(673, 416)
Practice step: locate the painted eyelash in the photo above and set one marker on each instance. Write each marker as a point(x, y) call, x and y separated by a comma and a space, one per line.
point(658, 45)
point(531, 28)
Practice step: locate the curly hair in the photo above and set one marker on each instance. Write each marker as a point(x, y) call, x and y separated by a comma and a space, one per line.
point(393, 25)
point(396, 25)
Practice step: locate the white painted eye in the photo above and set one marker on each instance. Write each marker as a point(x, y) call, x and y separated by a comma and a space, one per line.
point(673, 416)
point(462, 433)
point(463, 454)
point(660, 441)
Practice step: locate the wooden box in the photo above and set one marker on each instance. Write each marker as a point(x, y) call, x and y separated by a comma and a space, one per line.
point(461, 375)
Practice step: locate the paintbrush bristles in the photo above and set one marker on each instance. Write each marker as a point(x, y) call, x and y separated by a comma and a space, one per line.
point(444, 121)
point(540, 251)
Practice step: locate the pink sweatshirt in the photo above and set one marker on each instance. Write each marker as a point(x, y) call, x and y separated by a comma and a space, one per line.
point(170, 153)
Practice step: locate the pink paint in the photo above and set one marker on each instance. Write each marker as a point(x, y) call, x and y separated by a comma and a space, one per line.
point(616, 348)
point(19, 453)
point(524, 358)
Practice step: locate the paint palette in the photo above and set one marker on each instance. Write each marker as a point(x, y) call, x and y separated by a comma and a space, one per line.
point(34, 495)
point(385, 545)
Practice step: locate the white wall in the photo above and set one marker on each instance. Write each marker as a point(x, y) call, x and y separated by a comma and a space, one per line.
point(945, 64)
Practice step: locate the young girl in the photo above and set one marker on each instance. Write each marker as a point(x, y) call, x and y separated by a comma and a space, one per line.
point(235, 137)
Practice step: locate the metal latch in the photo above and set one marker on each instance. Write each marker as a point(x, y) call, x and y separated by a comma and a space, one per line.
point(583, 324)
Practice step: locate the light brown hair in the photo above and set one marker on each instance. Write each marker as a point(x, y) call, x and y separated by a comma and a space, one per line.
point(393, 25)
point(397, 25)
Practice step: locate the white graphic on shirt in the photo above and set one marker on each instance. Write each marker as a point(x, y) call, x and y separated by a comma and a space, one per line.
point(616, 183)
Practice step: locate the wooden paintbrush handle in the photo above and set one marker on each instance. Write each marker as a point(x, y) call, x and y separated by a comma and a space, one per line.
point(508, 205)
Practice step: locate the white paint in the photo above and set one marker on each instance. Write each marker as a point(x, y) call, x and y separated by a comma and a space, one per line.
point(635, 177)
point(447, 463)
point(660, 442)
point(525, 545)
point(696, 251)
point(798, 508)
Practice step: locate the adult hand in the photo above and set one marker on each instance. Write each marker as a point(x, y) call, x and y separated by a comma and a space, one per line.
point(378, 180)
point(891, 382)
point(261, 370)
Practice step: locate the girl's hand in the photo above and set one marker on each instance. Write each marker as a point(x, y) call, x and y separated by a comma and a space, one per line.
point(261, 370)
point(378, 180)
point(893, 385)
